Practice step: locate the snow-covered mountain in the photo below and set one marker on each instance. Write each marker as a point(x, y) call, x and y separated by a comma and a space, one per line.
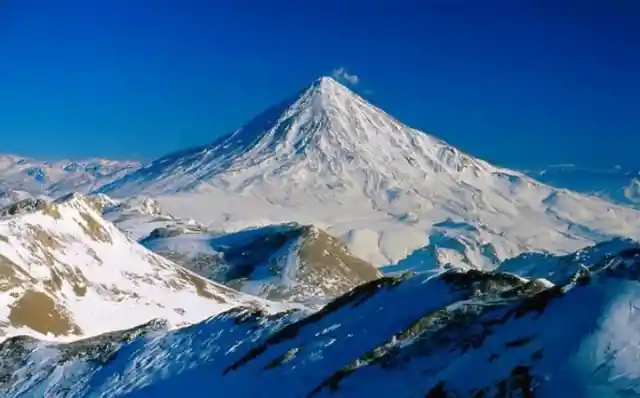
point(319, 169)
point(287, 262)
point(616, 184)
point(326, 139)
point(327, 157)
point(61, 177)
point(459, 334)
point(65, 272)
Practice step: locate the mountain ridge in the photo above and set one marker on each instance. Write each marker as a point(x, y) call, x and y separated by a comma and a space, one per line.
point(67, 273)
point(60, 177)
point(508, 279)
point(406, 336)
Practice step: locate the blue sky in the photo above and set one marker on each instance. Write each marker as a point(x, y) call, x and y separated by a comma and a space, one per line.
point(521, 85)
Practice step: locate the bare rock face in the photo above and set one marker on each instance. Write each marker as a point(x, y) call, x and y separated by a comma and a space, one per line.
point(66, 273)
point(327, 263)
point(287, 262)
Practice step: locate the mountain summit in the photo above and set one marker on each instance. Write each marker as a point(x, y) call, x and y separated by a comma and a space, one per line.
point(329, 158)
point(325, 136)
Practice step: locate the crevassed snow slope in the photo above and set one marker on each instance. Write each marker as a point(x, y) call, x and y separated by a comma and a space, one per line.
point(329, 158)
point(459, 334)
point(65, 272)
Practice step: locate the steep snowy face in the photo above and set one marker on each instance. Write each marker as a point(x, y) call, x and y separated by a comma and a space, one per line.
point(65, 273)
point(59, 178)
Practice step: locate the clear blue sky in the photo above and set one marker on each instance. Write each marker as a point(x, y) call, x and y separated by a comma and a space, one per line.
point(520, 85)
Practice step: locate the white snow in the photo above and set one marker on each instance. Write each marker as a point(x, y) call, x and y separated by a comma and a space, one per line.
point(397, 197)
point(583, 342)
point(327, 157)
point(126, 285)
point(60, 177)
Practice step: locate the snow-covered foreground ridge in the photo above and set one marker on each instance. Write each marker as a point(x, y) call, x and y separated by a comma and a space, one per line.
point(65, 272)
point(459, 334)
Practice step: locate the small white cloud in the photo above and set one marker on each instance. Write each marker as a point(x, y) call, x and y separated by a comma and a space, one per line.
point(342, 74)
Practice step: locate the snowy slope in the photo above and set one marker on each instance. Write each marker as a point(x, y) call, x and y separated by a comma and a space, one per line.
point(60, 177)
point(65, 272)
point(617, 185)
point(286, 262)
point(138, 216)
point(282, 262)
point(328, 158)
point(460, 334)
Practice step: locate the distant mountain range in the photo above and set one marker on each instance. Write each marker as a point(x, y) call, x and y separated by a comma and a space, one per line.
point(616, 184)
point(61, 177)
